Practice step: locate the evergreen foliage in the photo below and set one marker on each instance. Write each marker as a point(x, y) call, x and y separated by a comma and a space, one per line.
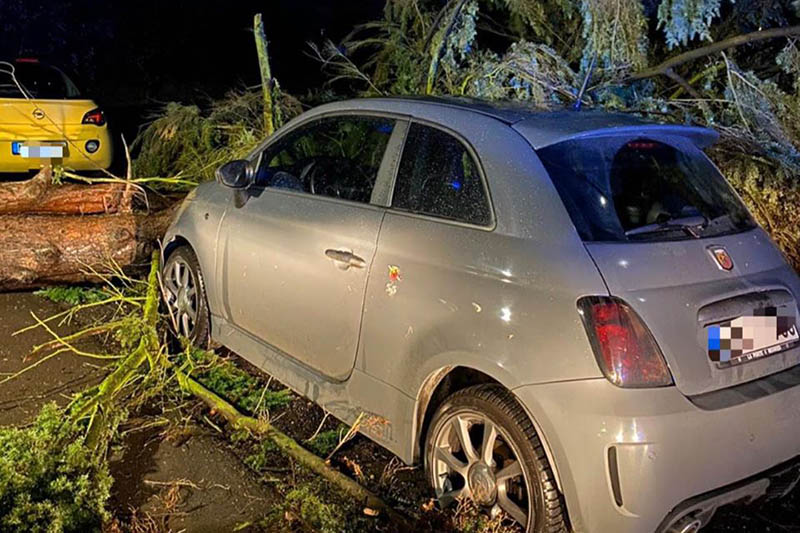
point(191, 143)
point(684, 20)
point(50, 482)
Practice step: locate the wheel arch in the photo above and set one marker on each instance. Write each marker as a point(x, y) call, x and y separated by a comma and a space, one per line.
point(447, 380)
point(175, 242)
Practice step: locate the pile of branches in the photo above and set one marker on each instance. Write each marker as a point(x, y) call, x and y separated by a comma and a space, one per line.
point(192, 142)
point(54, 473)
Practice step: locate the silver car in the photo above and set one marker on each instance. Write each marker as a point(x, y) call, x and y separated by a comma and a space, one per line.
point(568, 317)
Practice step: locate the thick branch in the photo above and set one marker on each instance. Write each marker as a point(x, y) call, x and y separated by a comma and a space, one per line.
point(739, 40)
point(288, 445)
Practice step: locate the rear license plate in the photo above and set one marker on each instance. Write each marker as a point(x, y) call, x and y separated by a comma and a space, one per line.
point(43, 151)
point(770, 330)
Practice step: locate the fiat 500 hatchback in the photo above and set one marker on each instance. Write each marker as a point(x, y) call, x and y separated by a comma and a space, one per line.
point(567, 317)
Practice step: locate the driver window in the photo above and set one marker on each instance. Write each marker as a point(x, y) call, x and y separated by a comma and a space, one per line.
point(337, 157)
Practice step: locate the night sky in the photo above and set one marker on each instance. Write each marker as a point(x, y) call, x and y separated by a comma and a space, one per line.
point(141, 53)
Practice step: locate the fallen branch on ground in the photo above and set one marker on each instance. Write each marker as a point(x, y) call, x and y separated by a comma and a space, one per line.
point(288, 446)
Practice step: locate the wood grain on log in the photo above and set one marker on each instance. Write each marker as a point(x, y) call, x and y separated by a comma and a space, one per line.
point(39, 196)
point(40, 250)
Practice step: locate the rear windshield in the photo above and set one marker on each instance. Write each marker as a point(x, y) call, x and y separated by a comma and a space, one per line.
point(623, 189)
point(38, 80)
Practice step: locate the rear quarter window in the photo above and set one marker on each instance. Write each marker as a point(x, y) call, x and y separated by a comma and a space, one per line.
point(439, 177)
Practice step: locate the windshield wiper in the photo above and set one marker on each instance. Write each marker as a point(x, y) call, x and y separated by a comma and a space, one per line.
point(690, 225)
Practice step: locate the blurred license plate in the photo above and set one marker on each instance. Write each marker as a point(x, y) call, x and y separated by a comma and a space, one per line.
point(746, 338)
point(46, 151)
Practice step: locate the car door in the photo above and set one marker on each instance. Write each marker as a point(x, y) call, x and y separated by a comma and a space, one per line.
point(300, 242)
point(432, 284)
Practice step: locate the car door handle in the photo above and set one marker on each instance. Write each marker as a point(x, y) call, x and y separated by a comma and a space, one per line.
point(349, 259)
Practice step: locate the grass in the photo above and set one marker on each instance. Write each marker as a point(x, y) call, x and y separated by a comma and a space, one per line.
point(325, 442)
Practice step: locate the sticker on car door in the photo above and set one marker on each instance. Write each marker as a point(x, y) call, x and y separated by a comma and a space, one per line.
point(769, 330)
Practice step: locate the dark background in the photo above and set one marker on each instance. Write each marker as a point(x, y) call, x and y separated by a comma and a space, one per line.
point(134, 56)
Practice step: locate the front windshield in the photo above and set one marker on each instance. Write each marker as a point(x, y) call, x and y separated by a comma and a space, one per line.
point(624, 189)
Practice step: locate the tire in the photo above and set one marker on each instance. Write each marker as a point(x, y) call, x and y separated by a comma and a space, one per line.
point(542, 505)
point(185, 296)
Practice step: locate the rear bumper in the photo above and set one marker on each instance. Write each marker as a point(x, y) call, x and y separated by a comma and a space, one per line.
point(630, 460)
point(75, 155)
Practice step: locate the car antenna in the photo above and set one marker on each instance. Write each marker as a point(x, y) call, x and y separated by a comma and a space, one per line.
point(577, 105)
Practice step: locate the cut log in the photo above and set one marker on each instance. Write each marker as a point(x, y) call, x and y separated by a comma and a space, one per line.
point(39, 196)
point(41, 250)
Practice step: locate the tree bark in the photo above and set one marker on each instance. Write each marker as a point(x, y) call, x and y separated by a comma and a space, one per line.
point(40, 250)
point(39, 196)
point(266, 73)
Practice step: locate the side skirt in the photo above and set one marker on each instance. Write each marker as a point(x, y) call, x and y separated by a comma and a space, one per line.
point(387, 412)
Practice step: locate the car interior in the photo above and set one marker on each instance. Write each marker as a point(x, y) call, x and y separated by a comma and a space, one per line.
point(337, 157)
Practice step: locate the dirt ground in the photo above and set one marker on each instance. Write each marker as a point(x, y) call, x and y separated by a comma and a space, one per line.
point(22, 397)
point(188, 484)
point(194, 480)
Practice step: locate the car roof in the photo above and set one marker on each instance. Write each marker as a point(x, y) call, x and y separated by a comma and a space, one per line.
point(540, 127)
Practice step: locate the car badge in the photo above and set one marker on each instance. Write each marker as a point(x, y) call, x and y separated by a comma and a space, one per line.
point(722, 257)
point(38, 114)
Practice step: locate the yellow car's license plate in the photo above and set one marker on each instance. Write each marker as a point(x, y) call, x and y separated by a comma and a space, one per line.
point(43, 151)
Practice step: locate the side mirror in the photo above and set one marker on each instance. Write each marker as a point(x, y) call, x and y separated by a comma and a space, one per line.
point(236, 174)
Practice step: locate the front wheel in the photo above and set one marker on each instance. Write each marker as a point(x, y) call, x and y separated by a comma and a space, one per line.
point(186, 297)
point(481, 445)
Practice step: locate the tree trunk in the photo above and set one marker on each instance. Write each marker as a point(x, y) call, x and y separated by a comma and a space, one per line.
point(39, 250)
point(39, 196)
point(266, 73)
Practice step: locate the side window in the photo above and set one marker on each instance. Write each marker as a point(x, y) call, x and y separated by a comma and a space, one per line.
point(439, 177)
point(337, 157)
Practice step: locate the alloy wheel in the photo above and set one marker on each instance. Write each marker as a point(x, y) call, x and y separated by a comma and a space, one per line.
point(474, 458)
point(182, 296)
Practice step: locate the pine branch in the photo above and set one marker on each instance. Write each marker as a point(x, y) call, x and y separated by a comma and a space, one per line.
point(739, 40)
point(437, 54)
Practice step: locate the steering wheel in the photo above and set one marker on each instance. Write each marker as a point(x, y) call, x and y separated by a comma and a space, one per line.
point(312, 172)
point(305, 174)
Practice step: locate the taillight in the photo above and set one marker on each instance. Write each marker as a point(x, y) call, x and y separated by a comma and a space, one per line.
point(95, 116)
point(625, 349)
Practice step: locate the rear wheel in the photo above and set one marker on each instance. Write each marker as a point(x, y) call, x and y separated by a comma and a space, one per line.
point(186, 297)
point(481, 445)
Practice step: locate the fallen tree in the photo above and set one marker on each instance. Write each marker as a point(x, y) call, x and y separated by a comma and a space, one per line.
point(70, 233)
point(39, 195)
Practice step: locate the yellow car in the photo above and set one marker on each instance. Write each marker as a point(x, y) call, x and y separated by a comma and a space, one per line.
point(43, 118)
